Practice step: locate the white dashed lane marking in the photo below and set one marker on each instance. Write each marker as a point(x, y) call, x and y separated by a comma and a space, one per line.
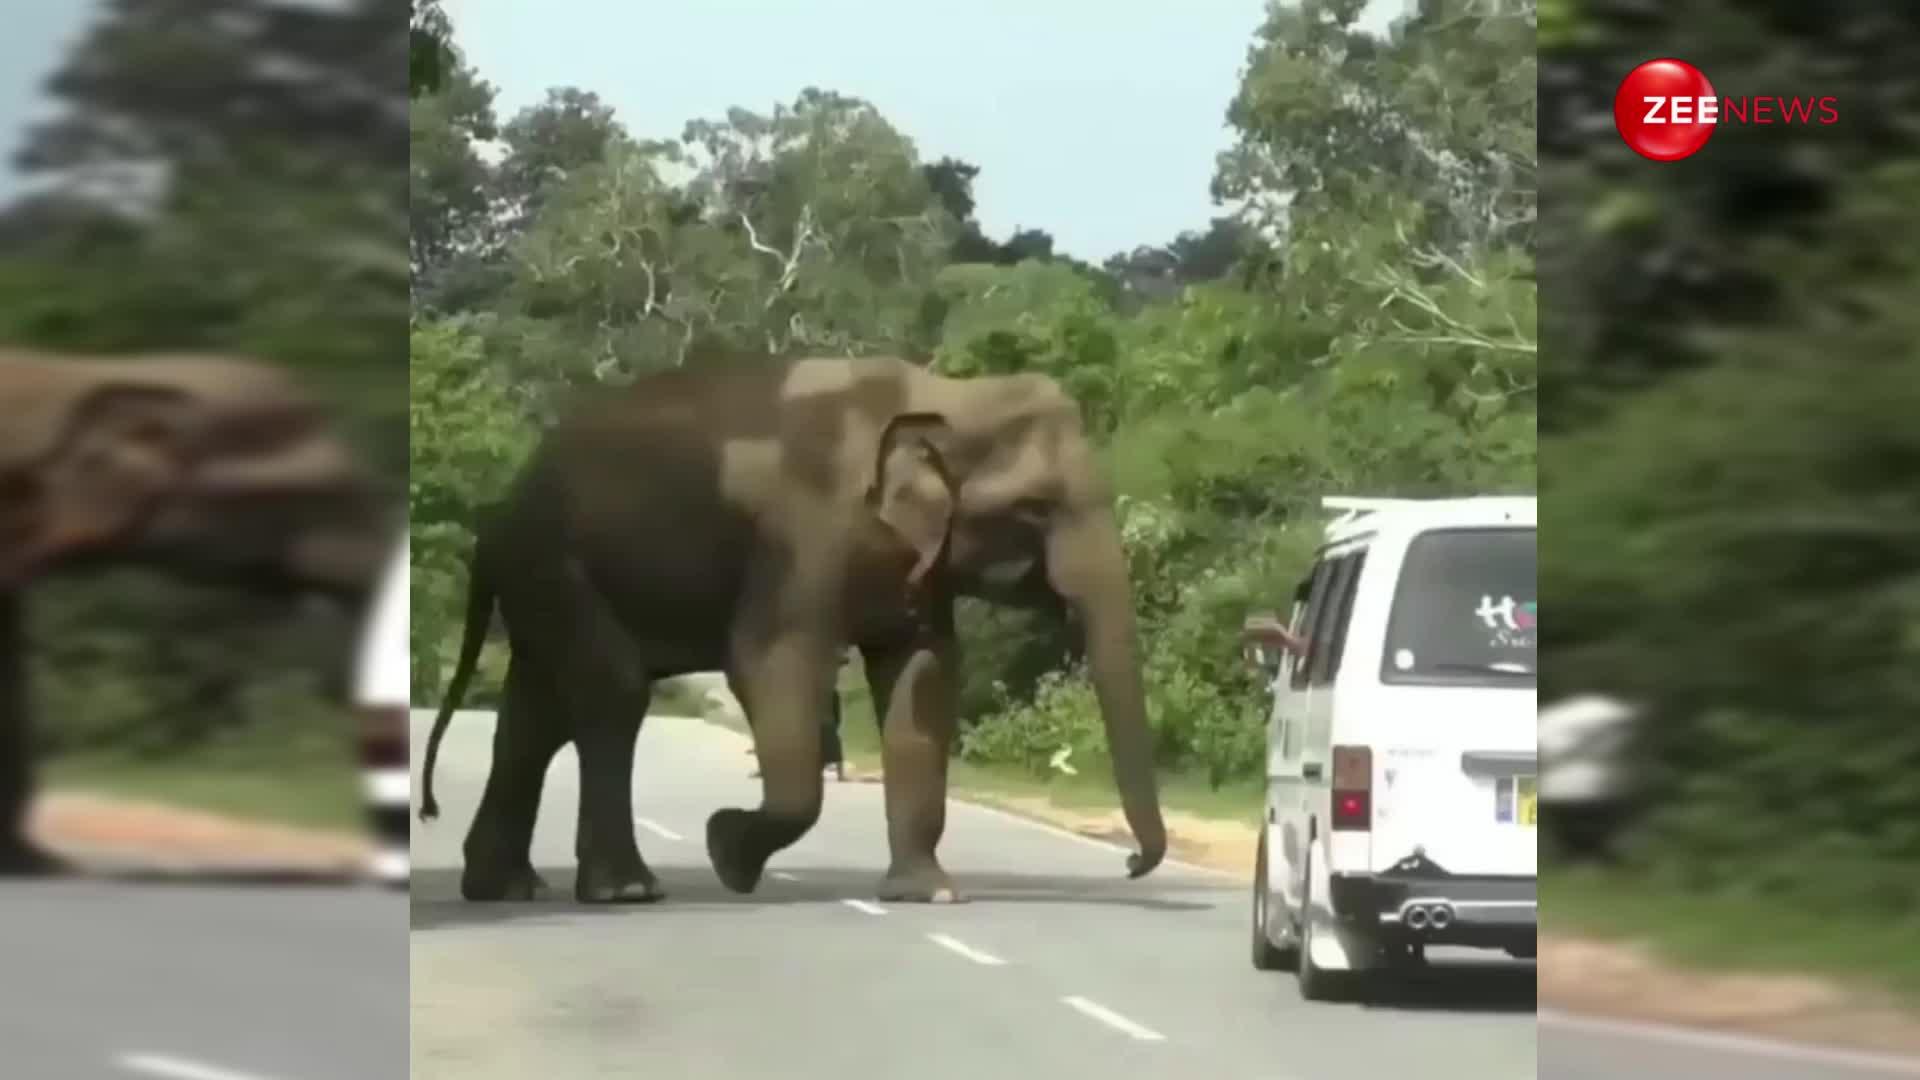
point(1112, 1019)
point(781, 875)
point(866, 906)
point(174, 1068)
point(955, 945)
point(657, 829)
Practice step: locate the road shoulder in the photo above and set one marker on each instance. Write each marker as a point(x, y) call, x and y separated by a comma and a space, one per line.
point(94, 827)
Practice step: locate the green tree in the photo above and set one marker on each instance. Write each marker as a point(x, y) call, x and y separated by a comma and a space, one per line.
point(451, 188)
point(469, 433)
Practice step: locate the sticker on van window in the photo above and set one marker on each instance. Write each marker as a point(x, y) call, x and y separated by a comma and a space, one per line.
point(1513, 623)
point(1403, 659)
point(1508, 613)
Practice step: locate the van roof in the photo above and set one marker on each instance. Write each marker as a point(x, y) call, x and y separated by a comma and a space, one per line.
point(1359, 515)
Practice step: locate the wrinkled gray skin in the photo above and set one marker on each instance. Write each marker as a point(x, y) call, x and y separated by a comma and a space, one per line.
point(756, 520)
point(211, 469)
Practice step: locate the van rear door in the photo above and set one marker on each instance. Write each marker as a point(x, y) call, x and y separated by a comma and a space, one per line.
point(1453, 720)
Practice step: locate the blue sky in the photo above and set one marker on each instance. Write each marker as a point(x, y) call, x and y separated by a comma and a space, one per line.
point(1095, 120)
point(37, 38)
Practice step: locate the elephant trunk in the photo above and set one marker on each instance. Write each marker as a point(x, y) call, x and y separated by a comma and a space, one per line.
point(1089, 570)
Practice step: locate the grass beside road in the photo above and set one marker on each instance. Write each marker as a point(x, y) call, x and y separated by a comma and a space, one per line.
point(1733, 933)
point(311, 782)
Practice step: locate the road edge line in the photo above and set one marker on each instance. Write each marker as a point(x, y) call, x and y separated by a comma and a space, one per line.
point(1750, 1045)
point(1105, 845)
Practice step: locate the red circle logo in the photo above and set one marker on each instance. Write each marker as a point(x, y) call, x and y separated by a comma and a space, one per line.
point(1659, 109)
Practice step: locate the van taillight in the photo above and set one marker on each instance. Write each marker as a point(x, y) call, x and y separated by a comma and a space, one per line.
point(1352, 788)
point(383, 737)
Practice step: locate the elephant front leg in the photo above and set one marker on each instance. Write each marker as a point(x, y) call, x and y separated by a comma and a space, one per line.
point(914, 692)
point(783, 686)
point(18, 853)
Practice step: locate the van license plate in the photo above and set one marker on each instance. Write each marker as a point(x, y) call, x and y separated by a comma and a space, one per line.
point(1516, 801)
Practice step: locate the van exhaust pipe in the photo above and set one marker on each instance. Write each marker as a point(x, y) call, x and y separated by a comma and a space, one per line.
point(1440, 917)
point(1416, 917)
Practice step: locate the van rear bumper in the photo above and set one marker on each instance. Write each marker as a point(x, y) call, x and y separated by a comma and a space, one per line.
point(1491, 911)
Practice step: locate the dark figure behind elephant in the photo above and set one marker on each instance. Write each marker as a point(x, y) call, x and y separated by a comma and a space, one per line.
point(756, 519)
point(212, 469)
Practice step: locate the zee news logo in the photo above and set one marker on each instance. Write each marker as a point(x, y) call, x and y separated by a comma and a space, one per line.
point(1667, 110)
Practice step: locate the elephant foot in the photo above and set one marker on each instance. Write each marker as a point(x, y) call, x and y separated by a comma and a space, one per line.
point(735, 862)
point(633, 887)
point(25, 859)
point(524, 886)
point(922, 885)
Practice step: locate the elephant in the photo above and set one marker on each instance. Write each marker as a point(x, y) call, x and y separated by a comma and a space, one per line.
point(213, 469)
point(758, 518)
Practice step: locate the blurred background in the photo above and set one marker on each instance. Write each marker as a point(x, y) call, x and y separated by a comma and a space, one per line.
point(220, 178)
point(1730, 481)
point(223, 178)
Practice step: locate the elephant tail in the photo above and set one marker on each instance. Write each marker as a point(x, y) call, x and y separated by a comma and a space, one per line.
point(479, 615)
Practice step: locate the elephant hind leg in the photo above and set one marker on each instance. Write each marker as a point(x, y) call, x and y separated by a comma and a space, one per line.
point(597, 689)
point(499, 845)
point(612, 870)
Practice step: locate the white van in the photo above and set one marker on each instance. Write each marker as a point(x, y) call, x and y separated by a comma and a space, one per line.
point(1402, 746)
point(380, 697)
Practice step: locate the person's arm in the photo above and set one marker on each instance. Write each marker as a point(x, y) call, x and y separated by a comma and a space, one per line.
point(1271, 631)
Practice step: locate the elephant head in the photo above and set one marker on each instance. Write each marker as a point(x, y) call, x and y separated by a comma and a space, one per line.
point(994, 486)
point(207, 466)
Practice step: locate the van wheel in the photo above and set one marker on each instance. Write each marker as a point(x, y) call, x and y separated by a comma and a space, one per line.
point(1266, 955)
point(1316, 982)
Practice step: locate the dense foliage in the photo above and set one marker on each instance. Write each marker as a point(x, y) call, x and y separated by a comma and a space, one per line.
point(223, 176)
point(1360, 318)
point(1729, 451)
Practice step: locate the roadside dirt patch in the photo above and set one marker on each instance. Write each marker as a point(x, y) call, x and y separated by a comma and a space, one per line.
point(1218, 845)
point(1622, 980)
point(83, 825)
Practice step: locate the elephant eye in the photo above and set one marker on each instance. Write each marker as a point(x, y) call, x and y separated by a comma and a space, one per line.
point(148, 432)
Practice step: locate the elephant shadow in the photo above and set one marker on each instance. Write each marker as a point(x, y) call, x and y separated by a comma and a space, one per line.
point(436, 900)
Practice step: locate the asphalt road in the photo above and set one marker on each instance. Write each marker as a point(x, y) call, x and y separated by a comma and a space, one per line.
point(193, 981)
point(1059, 967)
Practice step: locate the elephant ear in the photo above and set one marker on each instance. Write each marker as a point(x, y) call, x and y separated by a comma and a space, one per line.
point(912, 489)
point(123, 449)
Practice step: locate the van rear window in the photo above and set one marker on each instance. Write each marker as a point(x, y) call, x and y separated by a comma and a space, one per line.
point(1465, 610)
